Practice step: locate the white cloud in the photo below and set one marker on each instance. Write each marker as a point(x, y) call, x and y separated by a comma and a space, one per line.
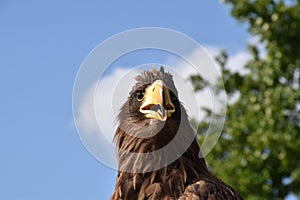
point(103, 100)
point(205, 98)
point(184, 69)
point(237, 62)
point(261, 46)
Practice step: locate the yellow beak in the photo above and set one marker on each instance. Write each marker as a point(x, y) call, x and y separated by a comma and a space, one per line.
point(157, 103)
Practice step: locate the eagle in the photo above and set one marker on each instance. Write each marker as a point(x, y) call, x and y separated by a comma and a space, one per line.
point(158, 154)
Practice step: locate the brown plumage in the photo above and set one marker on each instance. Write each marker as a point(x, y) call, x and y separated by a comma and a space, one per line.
point(151, 119)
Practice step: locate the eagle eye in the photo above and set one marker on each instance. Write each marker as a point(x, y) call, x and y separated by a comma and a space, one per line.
point(173, 96)
point(140, 95)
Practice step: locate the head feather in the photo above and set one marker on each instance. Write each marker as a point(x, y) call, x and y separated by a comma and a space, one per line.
point(148, 77)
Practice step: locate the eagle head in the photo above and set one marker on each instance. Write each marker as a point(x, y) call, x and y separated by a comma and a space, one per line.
point(153, 107)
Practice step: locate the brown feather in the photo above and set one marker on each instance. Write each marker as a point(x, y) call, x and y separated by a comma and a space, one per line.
point(185, 178)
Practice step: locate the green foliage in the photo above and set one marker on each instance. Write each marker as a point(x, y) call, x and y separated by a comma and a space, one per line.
point(259, 149)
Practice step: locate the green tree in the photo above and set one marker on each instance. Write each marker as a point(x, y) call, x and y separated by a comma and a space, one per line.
point(259, 149)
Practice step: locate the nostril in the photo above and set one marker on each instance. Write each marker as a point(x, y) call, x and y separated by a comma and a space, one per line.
point(153, 107)
point(169, 107)
point(147, 107)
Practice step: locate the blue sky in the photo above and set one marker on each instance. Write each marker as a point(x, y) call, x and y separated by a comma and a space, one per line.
point(42, 45)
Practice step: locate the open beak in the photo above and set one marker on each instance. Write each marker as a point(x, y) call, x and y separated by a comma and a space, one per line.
point(157, 103)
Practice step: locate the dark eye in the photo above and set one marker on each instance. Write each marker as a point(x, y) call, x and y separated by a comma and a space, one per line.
point(140, 95)
point(173, 96)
